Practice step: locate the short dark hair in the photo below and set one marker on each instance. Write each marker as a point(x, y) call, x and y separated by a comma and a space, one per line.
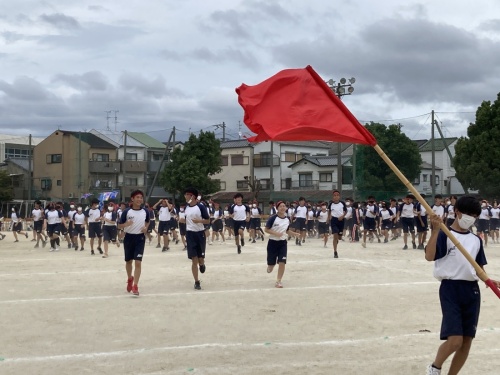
point(468, 205)
point(191, 190)
point(438, 196)
point(238, 195)
point(94, 201)
point(136, 192)
point(271, 202)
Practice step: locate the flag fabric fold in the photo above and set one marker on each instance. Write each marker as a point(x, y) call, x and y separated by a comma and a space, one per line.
point(296, 104)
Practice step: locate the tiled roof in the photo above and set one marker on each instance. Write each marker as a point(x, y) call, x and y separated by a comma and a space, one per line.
point(420, 142)
point(426, 165)
point(91, 139)
point(322, 161)
point(320, 144)
point(236, 144)
point(439, 145)
point(117, 138)
point(21, 162)
point(146, 140)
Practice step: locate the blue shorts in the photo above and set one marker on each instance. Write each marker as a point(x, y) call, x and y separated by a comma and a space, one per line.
point(196, 243)
point(276, 252)
point(133, 246)
point(386, 224)
point(163, 227)
point(300, 223)
point(53, 229)
point(483, 225)
point(369, 224)
point(237, 225)
point(323, 228)
point(337, 225)
point(460, 305)
point(408, 224)
point(38, 226)
point(255, 223)
point(109, 233)
point(421, 228)
point(95, 230)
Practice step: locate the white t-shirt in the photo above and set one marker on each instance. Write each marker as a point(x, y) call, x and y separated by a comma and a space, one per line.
point(139, 218)
point(196, 212)
point(280, 225)
point(336, 209)
point(239, 212)
point(164, 214)
point(407, 210)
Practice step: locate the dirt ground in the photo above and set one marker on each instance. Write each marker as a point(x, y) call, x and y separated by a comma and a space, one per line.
point(372, 311)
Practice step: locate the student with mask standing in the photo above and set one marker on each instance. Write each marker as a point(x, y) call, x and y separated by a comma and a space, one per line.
point(459, 293)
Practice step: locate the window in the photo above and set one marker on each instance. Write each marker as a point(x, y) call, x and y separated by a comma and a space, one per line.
point(46, 183)
point(221, 185)
point(305, 180)
point(290, 157)
point(100, 157)
point(59, 183)
point(16, 153)
point(325, 177)
point(424, 177)
point(445, 182)
point(286, 183)
point(265, 159)
point(417, 180)
point(265, 183)
point(224, 160)
point(242, 185)
point(301, 156)
point(156, 157)
point(130, 156)
point(238, 159)
point(131, 181)
point(54, 158)
point(436, 181)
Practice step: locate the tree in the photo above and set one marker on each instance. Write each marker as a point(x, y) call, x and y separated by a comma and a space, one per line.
point(193, 165)
point(373, 175)
point(476, 156)
point(6, 192)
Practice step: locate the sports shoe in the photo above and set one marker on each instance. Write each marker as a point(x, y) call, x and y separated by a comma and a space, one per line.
point(414, 245)
point(405, 247)
point(432, 371)
point(100, 250)
point(185, 248)
point(37, 246)
point(197, 285)
point(130, 280)
point(44, 243)
point(262, 238)
point(92, 252)
point(242, 242)
point(158, 246)
point(304, 240)
point(239, 249)
point(202, 268)
point(52, 249)
point(26, 234)
point(299, 244)
point(421, 246)
point(386, 240)
point(253, 241)
point(3, 236)
point(176, 242)
point(363, 244)
point(210, 243)
point(70, 245)
point(57, 248)
point(335, 254)
point(163, 249)
point(135, 290)
point(81, 248)
point(278, 284)
point(378, 240)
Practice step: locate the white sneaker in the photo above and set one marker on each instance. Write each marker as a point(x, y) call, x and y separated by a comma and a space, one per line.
point(432, 371)
point(57, 248)
point(52, 249)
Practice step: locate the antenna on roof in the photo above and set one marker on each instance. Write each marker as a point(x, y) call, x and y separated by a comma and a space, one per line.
point(107, 119)
point(116, 118)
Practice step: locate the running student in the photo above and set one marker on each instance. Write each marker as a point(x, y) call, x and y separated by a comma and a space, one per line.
point(322, 216)
point(80, 220)
point(240, 214)
point(406, 215)
point(109, 230)
point(196, 216)
point(38, 220)
point(277, 227)
point(135, 222)
point(459, 292)
point(336, 214)
point(94, 221)
point(17, 224)
point(371, 212)
point(300, 218)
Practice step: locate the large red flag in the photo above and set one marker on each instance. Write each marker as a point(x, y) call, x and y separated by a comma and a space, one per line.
point(296, 104)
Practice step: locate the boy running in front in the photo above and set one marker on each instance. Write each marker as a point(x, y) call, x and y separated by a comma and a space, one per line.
point(135, 222)
point(459, 292)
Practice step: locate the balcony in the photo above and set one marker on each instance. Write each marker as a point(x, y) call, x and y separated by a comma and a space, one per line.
point(154, 166)
point(104, 166)
point(134, 166)
point(265, 161)
point(288, 184)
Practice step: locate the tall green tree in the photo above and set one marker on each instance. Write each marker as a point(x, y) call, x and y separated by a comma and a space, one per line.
point(373, 175)
point(193, 165)
point(6, 192)
point(477, 156)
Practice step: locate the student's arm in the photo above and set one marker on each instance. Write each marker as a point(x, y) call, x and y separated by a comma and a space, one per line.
point(430, 249)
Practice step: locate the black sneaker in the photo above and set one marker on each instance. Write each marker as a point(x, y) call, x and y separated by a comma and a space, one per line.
point(197, 285)
point(70, 246)
point(26, 234)
point(92, 252)
point(164, 249)
point(81, 248)
point(253, 241)
point(176, 242)
point(379, 240)
point(262, 237)
point(335, 254)
point(405, 247)
point(202, 268)
point(298, 243)
point(158, 246)
point(242, 242)
point(239, 249)
point(100, 250)
point(304, 240)
point(414, 245)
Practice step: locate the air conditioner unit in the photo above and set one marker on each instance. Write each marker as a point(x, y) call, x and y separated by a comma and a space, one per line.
point(70, 195)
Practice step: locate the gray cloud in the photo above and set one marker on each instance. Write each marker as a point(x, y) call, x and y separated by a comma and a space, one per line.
point(25, 89)
point(60, 21)
point(136, 82)
point(87, 81)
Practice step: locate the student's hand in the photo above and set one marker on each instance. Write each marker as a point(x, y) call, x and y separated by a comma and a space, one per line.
point(497, 283)
point(435, 220)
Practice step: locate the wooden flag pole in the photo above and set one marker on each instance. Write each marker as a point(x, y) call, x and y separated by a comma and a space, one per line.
point(479, 271)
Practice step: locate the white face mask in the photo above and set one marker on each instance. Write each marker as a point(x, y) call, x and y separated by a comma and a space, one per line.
point(110, 209)
point(483, 205)
point(347, 203)
point(13, 210)
point(79, 209)
point(466, 221)
point(72, 207)
point(254, 205)
point(448, 203)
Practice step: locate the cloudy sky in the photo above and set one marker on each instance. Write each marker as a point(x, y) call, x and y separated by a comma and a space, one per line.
point(164, 63)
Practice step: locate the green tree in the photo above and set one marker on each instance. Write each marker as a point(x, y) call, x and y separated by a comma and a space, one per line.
point(6, 192)
point(193, 165)
point(373, 175)
point(477, 156)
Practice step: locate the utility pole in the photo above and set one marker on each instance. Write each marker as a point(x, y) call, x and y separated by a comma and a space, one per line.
point(124, 164)
point(223, 126)
point(116, 118)
point(433, 149)
point(166, 156)
point(271, 173)
point(108, 116)
point(29, 169)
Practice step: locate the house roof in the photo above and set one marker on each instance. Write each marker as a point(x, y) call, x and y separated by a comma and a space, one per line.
point(20, 162)
point(146, 140)
point(439, 144)
point(117, 138)
point(235, 144)
point(420, 142)
point(426, 165)
point(91, 139)
point(317, 144)
point(20, 139)
point(322, 161)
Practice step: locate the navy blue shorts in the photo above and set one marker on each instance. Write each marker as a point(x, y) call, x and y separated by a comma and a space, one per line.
point(337, 225)
point(196, 243)
point(133, 246)
point(79, 231)
point(300, 223)
point(421, 228)
point(38, 226)
point(237, 225)
point(255, 222)
point(483, 225)
point(386, 224)
point(217, 225)
point(276, 252)
point(109, 233)
point(460, 305)
point(323, 228)
point(369, 224)
point(494, 224)
point(95, 230)
point(163, 227)
point(408, 224)
point(53, 229)
point(182, 229)
point(151, 226)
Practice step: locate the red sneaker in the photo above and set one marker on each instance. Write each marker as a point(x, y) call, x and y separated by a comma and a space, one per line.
point(135, 290)
point(129, 283)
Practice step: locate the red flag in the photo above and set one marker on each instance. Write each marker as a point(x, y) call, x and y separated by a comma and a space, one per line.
point(296, 104)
